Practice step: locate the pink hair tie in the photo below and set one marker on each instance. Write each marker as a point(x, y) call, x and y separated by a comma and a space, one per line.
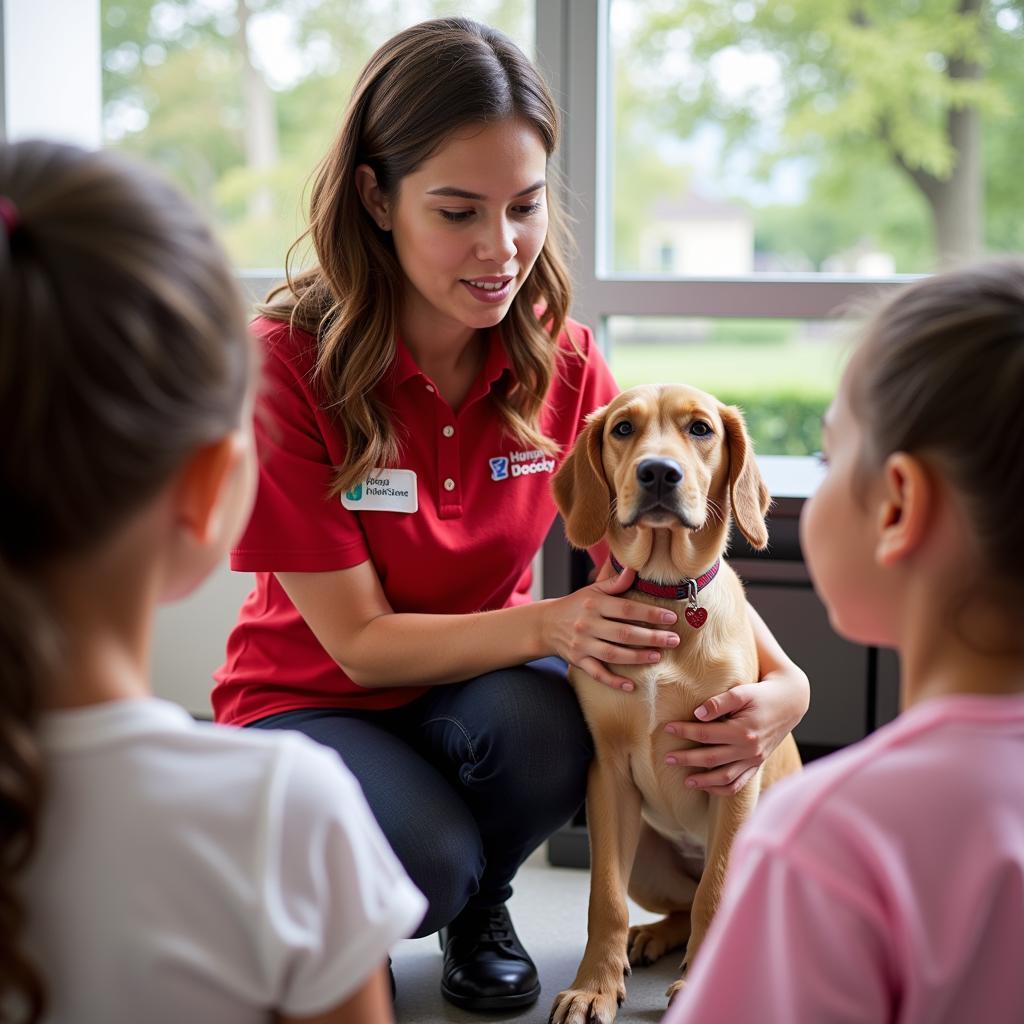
point(9, 215)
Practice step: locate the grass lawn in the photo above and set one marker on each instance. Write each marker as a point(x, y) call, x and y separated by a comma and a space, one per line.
point(736, 371)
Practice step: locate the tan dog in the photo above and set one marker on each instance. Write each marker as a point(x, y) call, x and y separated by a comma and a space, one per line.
point(659, 471)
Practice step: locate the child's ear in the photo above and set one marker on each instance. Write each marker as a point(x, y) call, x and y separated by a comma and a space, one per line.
point(203, 486)
point(903, 509)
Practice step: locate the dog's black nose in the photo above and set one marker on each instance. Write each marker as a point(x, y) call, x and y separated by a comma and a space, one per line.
point(658, 476)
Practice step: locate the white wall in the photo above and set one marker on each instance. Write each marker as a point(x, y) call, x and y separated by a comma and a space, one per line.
point(50, 86)
point(189, 639)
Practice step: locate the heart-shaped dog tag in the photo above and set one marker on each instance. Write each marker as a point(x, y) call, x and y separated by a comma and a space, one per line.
point(696, 617)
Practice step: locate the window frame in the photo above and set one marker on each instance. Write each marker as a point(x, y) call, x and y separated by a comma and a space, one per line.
point(572, 48)
point(573, 51)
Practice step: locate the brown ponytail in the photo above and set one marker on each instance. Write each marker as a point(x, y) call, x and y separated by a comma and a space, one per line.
point(27, 649)
point(123, 349)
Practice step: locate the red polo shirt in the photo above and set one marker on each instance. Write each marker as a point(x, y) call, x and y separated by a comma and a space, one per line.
point(483, 507)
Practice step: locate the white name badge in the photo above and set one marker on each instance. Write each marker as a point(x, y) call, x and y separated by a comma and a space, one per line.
point(385, 490)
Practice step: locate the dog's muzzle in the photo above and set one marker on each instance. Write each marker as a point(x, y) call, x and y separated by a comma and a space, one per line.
point(659, 496)
point(659, 477)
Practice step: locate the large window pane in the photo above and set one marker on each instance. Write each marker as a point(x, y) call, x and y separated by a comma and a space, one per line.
point(800, 135)
point(239, 99)
point(783, 373)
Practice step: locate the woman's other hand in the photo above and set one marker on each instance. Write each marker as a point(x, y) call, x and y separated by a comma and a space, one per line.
point(737, 731)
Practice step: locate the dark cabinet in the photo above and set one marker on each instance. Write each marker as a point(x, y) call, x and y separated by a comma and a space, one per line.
point(837, 669)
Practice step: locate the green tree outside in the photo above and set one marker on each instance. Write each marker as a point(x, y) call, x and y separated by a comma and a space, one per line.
point(181, 90)
point(905, 110)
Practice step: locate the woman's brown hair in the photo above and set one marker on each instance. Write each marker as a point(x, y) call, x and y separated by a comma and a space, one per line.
point(123, 349)
point(940, 373)
point(417, 89)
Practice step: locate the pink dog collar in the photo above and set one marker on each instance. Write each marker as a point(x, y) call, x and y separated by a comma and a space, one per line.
point(687, 590)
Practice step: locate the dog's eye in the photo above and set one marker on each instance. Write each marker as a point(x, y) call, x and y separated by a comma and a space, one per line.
point(623, 429)
point(700, 429)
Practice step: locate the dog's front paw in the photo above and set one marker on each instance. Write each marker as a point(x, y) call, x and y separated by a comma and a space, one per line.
point(674, 989)
point(587, 1006)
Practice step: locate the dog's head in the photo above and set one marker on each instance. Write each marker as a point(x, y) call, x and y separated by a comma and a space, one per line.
point(661, 456)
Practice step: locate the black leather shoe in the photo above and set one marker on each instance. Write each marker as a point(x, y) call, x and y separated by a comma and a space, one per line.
point(485, 965)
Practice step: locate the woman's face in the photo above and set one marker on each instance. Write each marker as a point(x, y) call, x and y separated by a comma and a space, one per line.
point(838, 532)
point(468, 225)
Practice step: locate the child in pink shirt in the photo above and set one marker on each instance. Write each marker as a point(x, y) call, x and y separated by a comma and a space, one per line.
point(886, 883)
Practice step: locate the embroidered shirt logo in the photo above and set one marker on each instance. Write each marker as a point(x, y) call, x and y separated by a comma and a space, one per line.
point(521, 464)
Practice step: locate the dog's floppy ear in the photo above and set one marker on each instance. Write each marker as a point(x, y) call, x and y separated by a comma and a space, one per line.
point(747, 490)
point(581, 490)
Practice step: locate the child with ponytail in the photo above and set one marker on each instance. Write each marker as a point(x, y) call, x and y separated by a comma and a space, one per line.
point(151, 868)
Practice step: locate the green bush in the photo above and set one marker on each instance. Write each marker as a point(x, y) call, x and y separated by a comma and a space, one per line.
point(782, 424)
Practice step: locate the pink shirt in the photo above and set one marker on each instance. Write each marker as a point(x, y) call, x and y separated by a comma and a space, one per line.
point(884, 884)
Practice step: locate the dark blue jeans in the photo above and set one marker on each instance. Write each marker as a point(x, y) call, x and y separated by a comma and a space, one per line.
point(467, 780)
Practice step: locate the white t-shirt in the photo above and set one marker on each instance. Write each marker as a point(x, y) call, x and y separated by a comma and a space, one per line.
point(883, 884)
point(193, 872)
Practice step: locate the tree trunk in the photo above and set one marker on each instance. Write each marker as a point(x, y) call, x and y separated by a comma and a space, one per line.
point(957, 202)
point(260, 119)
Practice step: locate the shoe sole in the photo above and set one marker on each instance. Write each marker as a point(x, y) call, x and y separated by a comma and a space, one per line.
point(491, 1002)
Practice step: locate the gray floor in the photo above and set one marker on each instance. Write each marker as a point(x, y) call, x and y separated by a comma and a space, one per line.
point(549, 908)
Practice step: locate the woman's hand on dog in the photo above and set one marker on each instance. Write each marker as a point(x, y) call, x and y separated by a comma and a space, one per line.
point(738, 730)
point(595, 629)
